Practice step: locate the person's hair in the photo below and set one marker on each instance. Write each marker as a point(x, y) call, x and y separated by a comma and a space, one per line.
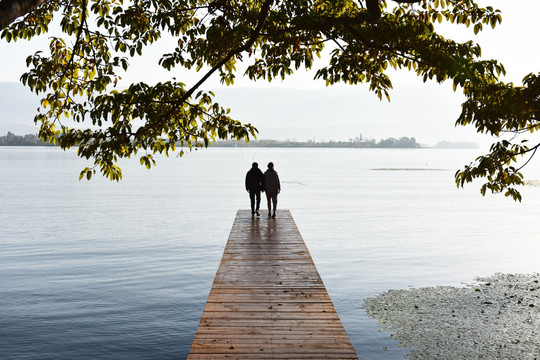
point(270, 165)
point(254, 165)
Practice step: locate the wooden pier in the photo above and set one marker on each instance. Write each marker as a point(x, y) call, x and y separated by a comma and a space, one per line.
point(268, 300)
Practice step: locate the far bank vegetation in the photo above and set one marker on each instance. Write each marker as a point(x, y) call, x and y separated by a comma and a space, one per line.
point(358, 142)
point(11, 139)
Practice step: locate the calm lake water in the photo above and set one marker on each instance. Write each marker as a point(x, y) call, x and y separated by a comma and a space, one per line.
point(101, 270)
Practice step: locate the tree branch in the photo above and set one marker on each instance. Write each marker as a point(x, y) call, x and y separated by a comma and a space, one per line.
point(534, 149)
point(253, 37)
point(375, 11)
point(12, 9)
point(251, 40)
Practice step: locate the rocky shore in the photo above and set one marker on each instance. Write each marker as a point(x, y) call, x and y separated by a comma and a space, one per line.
point(497, 317)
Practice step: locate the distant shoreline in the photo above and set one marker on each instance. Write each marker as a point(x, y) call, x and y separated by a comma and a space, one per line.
point(358, 143)
point(388, 143)
point(401, 143)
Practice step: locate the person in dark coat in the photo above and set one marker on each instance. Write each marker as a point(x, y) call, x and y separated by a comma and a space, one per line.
point(272, 188)
point(254, 186)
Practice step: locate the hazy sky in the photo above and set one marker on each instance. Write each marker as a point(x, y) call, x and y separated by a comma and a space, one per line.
point(425, 111)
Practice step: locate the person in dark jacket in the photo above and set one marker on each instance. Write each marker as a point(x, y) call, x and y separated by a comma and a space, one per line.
point(254, 186)
point(272, 188)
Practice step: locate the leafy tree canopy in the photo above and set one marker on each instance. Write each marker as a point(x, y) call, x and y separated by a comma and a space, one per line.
point(77, 75)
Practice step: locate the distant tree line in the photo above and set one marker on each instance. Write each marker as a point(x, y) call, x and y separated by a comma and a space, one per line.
point(358, 142)
point(21, 140)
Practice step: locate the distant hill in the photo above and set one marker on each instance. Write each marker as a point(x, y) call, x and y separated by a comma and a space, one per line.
point(285, 114)
point(342, 113)
point(456, 145)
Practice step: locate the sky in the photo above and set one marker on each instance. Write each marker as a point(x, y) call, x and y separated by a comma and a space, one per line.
point(301, 108)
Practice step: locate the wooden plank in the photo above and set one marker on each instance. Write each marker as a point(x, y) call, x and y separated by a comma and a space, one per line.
point(258, 316)
point(302, 356)
point(268, 300)
point(269, 307)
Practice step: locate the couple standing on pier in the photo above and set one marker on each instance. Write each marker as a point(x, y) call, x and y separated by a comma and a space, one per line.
point(268, 182)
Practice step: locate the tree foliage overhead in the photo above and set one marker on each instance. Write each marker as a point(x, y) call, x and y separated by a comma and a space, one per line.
point(78, 74)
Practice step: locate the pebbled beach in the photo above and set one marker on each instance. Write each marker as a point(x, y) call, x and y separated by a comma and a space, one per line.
point(496, 317)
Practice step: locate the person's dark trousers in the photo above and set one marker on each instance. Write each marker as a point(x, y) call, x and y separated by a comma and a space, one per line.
point(272, 200)
point(255, 196)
